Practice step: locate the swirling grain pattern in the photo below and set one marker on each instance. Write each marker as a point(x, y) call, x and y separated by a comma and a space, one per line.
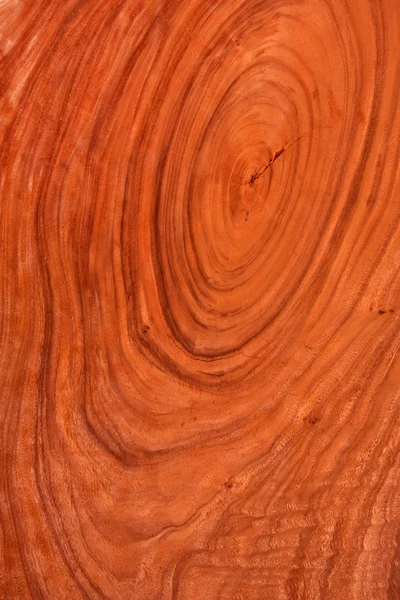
point(199, 325)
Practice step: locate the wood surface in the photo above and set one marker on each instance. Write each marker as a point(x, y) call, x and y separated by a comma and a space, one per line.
point(199, 299)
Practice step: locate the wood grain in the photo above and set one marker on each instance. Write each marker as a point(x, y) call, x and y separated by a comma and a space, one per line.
point(200, 279)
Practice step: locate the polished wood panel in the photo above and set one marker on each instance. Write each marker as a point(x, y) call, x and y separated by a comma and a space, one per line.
point(200, 278)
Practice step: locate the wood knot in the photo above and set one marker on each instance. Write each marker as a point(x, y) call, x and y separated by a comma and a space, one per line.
point(311, 419)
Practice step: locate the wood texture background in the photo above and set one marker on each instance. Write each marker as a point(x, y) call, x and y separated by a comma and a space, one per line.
point(200, 277)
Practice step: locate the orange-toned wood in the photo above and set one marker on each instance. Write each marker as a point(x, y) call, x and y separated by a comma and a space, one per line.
point(200, 278)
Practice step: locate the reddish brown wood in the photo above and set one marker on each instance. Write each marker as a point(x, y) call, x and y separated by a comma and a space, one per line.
point(199, 325)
